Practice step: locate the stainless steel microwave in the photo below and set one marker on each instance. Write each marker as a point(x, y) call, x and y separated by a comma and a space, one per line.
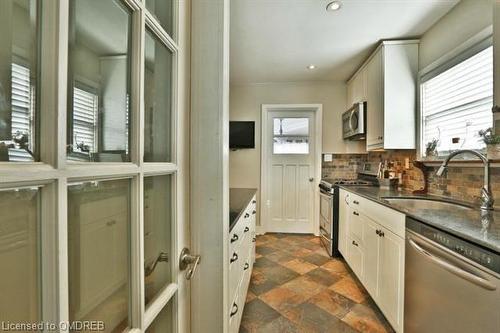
point(354, 122)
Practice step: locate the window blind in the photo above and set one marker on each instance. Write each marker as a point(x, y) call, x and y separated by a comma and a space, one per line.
point(457, 103)
point(22, 101)
point(84, 119)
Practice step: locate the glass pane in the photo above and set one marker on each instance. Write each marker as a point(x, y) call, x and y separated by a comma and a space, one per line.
point(163, 11)
point(291, 136)
point(18, 73)
point(19, 233)
point(157, 100)
point(99, 81)
point(98, 238)
point(163, 323)
point(157, 234)
point(291, 126)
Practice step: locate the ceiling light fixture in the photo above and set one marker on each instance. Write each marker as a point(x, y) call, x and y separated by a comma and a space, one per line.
point(333, 6)
point(311, 67)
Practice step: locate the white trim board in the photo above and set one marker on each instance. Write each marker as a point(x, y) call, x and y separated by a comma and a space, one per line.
point(318, 108)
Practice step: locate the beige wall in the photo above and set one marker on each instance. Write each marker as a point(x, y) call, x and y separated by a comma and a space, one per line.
point(245, 104)
point(461, 23)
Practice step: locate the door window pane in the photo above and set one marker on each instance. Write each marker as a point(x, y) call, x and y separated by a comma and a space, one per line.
point(157, 100)
point(99, 81)
point(290, 135)
point(18, 73)
point(163, 323)
point(98, 242)
point(19, 233)
point(163, 11)
point(157, 234)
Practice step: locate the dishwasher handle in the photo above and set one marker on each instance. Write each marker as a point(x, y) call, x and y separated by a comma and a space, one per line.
point(477, 280)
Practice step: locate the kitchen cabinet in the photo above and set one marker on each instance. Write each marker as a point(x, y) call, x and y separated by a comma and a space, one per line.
point(374, 249)
point(356, 88)
point(343, 220)
point(241, 259)
point(387, 81)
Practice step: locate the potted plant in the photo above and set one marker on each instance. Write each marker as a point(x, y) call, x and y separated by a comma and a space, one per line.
point(492, 142)
point(431, 149)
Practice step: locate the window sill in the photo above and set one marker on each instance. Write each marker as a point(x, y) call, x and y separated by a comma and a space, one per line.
point(459, 163)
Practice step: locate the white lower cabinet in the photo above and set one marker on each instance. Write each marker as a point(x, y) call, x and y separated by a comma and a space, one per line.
point(241, 260)
point(374, 249)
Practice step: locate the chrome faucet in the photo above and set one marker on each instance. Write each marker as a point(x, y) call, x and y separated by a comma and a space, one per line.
point(486, 195)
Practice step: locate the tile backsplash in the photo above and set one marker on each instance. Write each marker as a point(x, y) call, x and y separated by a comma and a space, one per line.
point(460, 183)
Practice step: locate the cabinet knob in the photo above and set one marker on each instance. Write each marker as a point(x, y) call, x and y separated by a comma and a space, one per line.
point(253, 240)
point(246, 229)
point(234, 258)
point(381, 233)
point(254, 212)
point(247, 215)
point(234, 238)
point(234, 310)
point(355, 202)
point(254, 201)
point(356, 213)
point(354, 243)
point(246, 266)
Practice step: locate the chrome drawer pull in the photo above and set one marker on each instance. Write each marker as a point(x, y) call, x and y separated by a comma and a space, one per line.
point(234, 238)
point(246, 229)
point(355, 202)
point(235, 310)
point(247, 215)
point(234, 258)
point(354, 243)
point(246, 266)
point(356, 213)
point(254, 212)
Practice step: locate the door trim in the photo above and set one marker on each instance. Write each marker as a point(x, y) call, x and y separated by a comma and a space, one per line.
point(266, 108)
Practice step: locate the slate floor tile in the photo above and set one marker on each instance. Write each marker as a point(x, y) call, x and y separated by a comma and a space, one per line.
point(300, 266)
point(324, 277)
point(257, 314)
point(316, 259)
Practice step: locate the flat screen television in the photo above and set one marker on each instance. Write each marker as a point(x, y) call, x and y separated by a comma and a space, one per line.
point(241, 134)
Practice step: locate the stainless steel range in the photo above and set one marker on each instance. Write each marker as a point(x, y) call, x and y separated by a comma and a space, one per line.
point(329, 204)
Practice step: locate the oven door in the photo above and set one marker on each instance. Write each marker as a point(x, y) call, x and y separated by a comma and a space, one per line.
point(326, 220)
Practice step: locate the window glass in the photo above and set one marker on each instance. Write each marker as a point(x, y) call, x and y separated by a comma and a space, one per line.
point(19, 253)
point(163, 11)
point(98, 251)
point(290, 135)
point(163, 323)
point(99, 81)
point(157, 234)
point(456, 104)
point(18, 74)
point(157, 101)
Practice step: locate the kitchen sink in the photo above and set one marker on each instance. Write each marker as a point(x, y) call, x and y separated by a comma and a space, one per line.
point(426, 203)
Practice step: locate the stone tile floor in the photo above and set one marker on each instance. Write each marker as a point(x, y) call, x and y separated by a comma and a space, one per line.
point(297, 287)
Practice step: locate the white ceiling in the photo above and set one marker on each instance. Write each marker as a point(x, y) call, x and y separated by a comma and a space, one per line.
point(275, 40)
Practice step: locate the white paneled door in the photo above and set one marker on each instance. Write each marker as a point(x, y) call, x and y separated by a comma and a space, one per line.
point(290, 139)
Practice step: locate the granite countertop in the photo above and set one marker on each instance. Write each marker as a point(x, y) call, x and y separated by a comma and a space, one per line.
point(239, 198)
point(467, 224)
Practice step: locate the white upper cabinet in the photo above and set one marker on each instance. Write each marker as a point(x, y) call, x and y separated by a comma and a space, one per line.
point(387, 81)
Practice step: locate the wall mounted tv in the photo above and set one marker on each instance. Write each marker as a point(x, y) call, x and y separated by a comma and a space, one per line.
point(241, 134)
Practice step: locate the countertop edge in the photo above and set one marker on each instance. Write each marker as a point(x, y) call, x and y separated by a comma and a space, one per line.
point(488, 245)
point(247, 202)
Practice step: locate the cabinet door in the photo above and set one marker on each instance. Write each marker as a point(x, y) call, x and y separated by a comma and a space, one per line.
point(343, 221)
point(391, 277)
point(355, 257)
point(375, 110)
point(371, 241)
point(350, 96)
point(359, 87)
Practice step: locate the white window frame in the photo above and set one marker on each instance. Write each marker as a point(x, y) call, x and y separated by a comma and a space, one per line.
point(54, 172)
point(467, 50)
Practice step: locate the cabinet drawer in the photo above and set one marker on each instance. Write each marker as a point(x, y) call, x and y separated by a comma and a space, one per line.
point(385, 216)
point(355, 224)
point(355, 257)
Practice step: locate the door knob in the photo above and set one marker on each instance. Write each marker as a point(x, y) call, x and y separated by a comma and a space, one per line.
point(311, 179)
point(188, 260)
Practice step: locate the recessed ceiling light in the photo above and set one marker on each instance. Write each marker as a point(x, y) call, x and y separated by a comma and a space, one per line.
point(333, 6)
point(311, 67)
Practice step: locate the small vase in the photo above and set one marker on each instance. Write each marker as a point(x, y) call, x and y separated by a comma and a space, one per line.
point(431, 155)
point(493, 151)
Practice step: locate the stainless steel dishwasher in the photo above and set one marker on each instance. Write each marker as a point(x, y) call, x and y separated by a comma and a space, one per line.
point(451, 285)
